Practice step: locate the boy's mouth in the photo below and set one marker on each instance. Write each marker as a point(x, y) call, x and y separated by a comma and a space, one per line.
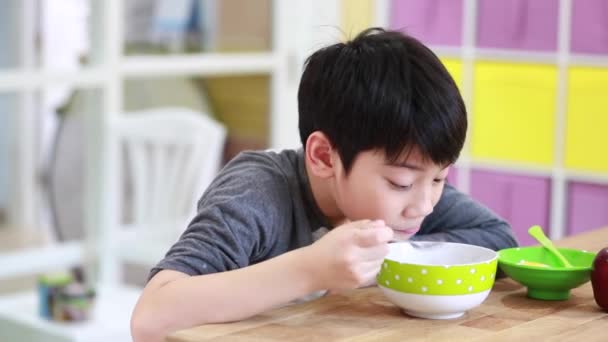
point(410, 231)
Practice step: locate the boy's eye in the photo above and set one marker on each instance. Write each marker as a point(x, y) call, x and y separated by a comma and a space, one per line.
point(438, 180)
point(399, 186)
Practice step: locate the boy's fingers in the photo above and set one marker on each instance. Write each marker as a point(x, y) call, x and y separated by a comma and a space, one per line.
point(374, 236)
point(372, 269)
point(368, 224)
point(375, 253)
point(369, 271)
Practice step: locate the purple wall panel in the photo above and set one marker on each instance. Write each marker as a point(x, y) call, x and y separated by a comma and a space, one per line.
point(523, 201)
point(531, 205)
point(587, 207)
point(434, 22)
point(453, 176)
point(518, 24)
point(492, 190)
point(589, 26)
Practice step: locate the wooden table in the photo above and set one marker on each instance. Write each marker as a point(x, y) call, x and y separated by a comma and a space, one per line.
point(365, 315)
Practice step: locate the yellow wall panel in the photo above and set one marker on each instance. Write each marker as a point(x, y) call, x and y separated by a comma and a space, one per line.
point(513, 112)
point(357, 15)
point(587, 119)
point(454, 66)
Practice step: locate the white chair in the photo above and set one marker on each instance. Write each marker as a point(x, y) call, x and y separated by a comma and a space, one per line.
point(171, 155)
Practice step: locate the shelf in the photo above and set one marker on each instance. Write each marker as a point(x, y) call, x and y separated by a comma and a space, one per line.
point(204, 64)
point(447, 51)
point(587, 176)
point(110, 318)
point(534, 170)
point(30, 80)
point(511, 167)
point(513, 55)
point(589, 60)
point(550, 35)
point(522, 56)
point(39, 259)
point(496, 54)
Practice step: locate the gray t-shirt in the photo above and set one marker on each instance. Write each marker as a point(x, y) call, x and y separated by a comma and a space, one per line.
point(261, 205)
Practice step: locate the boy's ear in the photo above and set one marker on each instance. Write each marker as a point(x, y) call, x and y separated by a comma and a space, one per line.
point(320, 155)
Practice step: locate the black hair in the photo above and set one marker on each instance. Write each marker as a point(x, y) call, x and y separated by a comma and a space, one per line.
point(382, 90)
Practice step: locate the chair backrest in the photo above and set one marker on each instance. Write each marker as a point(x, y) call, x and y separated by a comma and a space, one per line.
point(171, 156)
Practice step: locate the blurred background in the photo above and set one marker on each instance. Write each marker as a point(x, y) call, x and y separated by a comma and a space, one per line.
point(115, 115)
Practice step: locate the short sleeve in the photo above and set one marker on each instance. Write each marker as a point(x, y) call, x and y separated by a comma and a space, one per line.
point(238, 221)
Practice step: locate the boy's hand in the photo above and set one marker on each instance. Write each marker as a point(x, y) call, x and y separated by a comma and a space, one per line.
point(350, 255)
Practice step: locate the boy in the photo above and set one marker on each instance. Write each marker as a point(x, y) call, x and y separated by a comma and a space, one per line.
point(381, 122)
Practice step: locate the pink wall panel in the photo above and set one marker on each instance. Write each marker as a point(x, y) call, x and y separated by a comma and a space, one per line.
point(587, 207)
point(434, 22)
point(518, 24)
point(523, 201)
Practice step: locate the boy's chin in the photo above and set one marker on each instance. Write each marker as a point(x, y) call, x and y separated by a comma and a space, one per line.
point(399, 236)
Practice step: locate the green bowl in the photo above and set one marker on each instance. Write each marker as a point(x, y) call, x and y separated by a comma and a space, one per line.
point(551, 282)
point(437, 280)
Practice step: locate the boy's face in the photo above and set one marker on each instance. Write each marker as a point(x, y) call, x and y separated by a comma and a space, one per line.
point(401, 194)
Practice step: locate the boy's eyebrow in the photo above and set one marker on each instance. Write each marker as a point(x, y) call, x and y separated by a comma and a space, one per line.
point(411, 166)
point(406, 165)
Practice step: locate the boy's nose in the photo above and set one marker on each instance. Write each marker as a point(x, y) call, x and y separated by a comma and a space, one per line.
point(422, 205)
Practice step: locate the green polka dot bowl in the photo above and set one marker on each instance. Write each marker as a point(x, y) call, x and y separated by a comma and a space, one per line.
point(437, 280)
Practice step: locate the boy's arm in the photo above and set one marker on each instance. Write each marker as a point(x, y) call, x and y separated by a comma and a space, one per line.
point(346, 257)
point(173, 300)
point(459, 218)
